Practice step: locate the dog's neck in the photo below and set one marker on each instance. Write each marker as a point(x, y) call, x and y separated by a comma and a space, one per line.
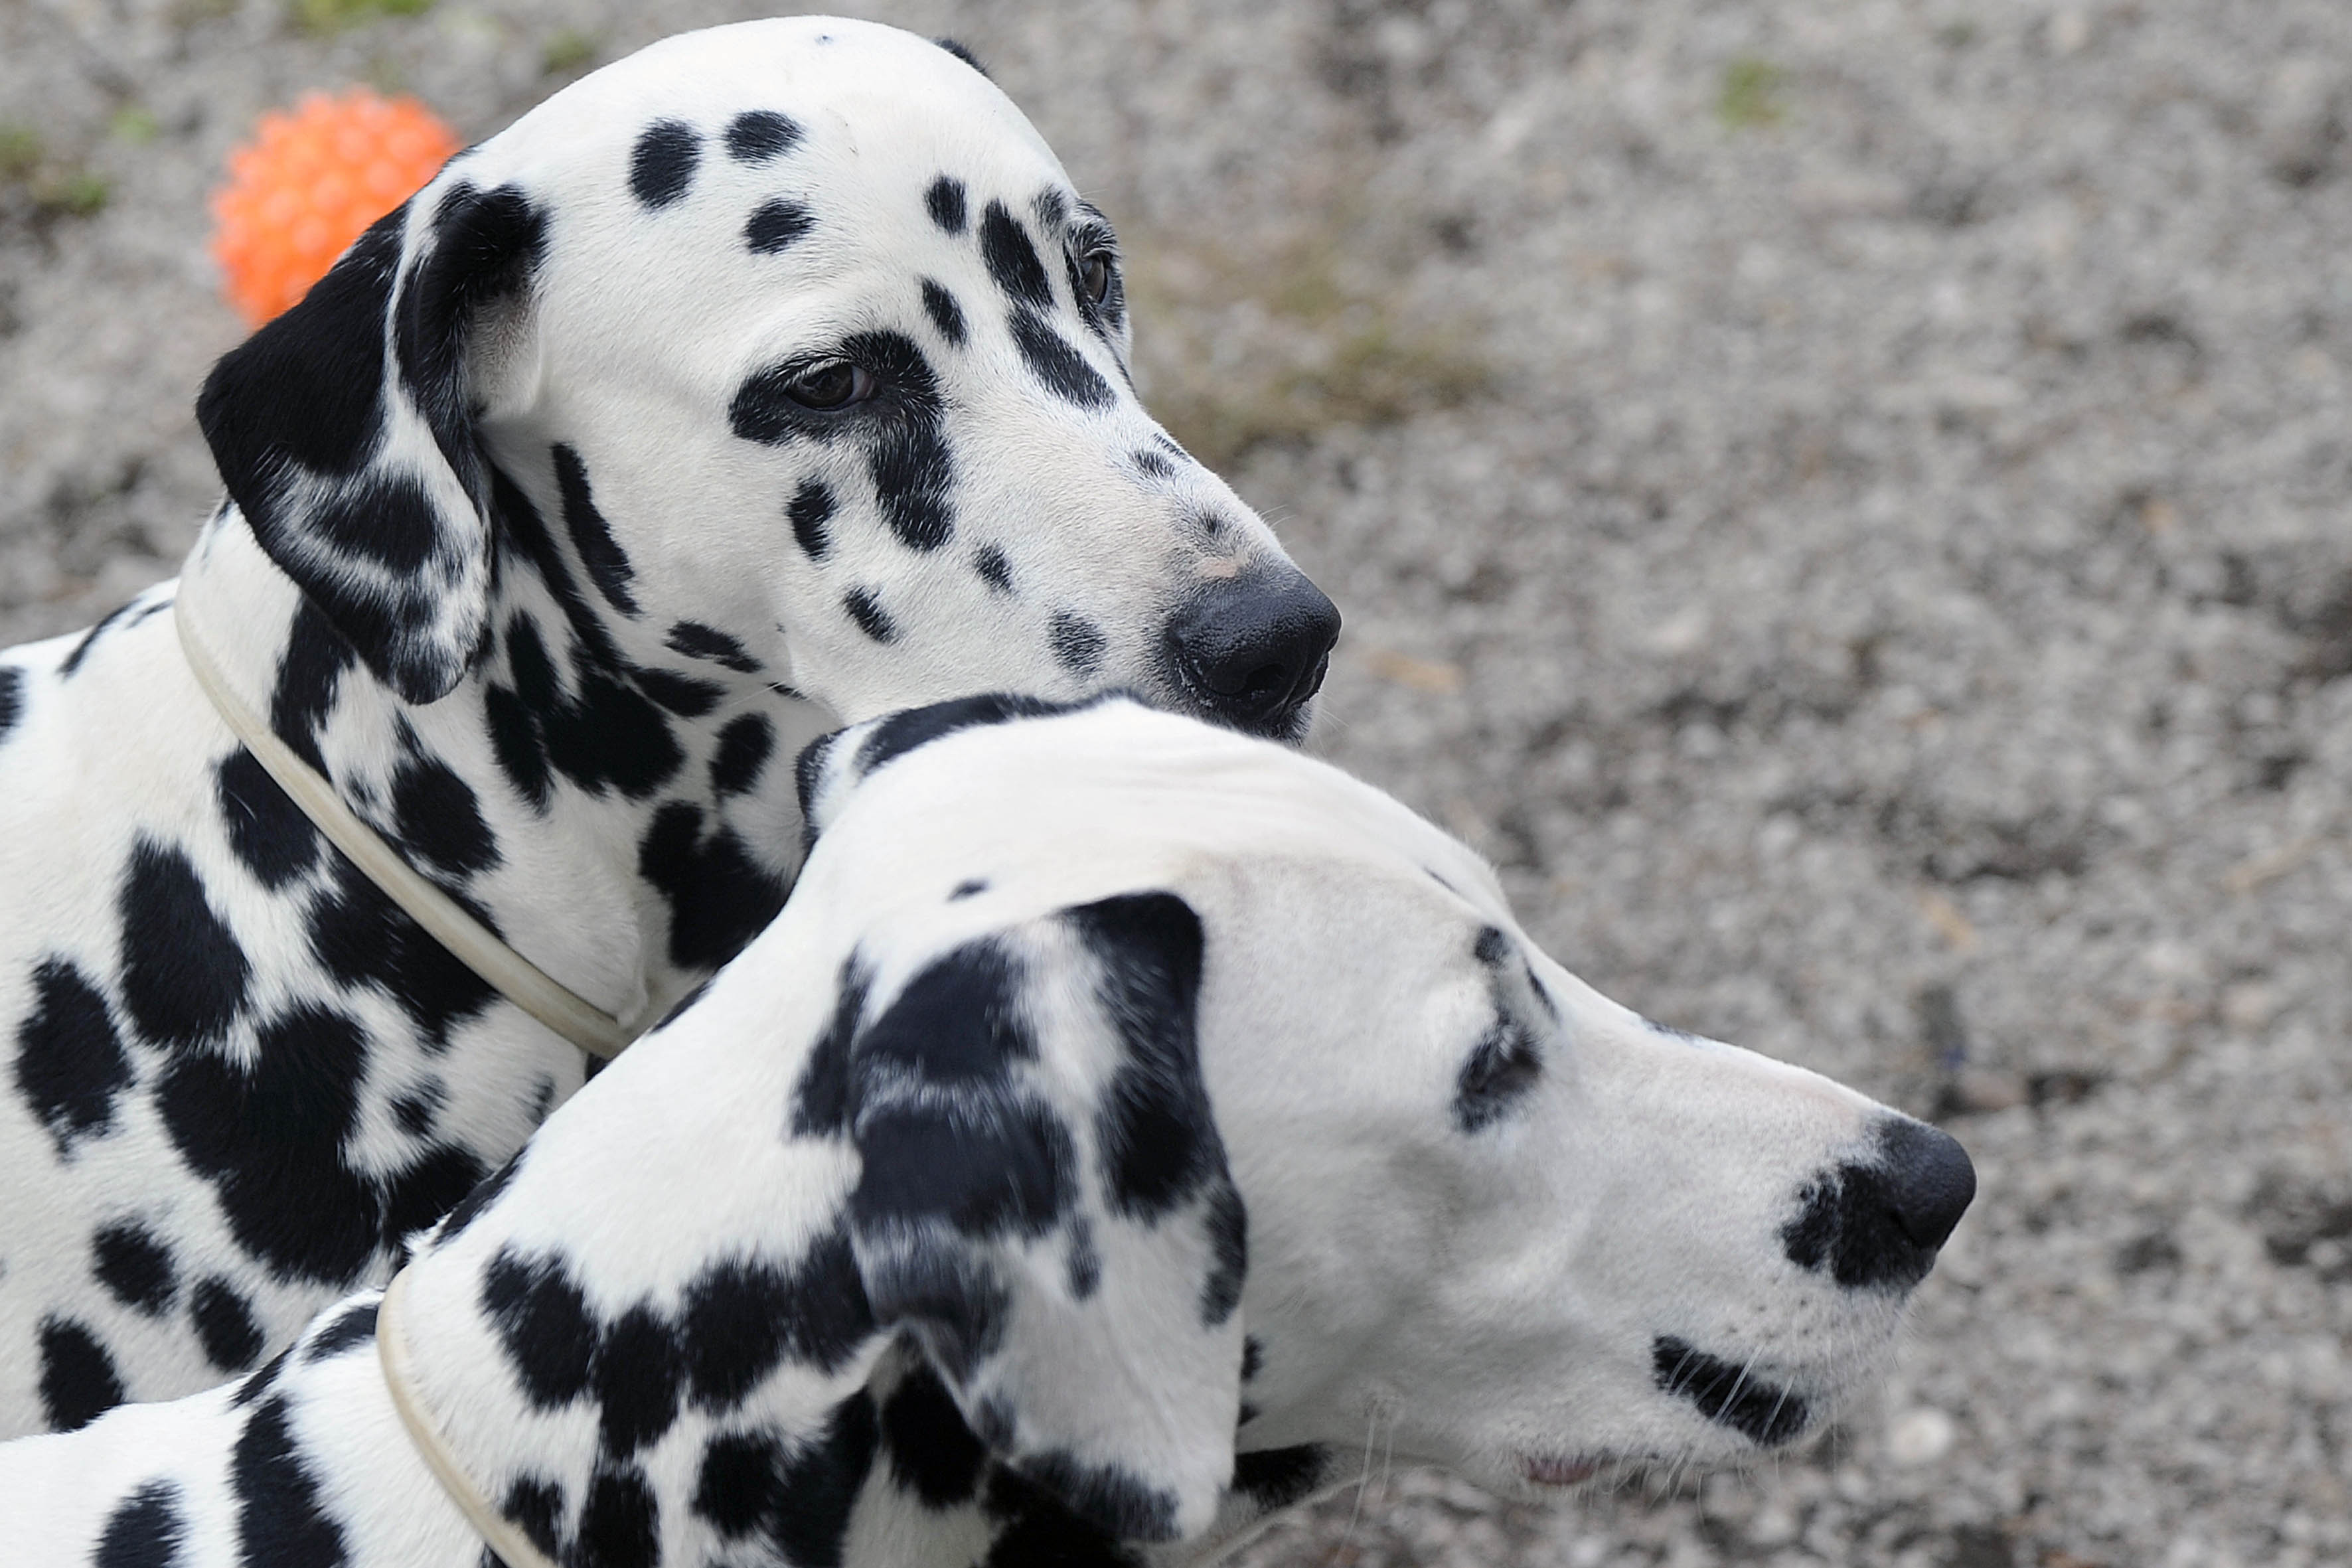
point(624, 825)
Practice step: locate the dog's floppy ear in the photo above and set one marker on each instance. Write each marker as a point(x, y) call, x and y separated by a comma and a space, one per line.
point(345, 431)
point(1043, 1203)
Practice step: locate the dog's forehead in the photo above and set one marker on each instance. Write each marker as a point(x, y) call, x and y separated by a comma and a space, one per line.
point(755, 94)
point(1117, 796)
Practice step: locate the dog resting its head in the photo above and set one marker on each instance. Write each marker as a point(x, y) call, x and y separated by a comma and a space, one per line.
point(1123, 1117)
point(808, 342)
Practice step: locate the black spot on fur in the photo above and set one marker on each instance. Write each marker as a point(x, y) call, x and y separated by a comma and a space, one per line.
point(962, 53)
point(251, 1392)
point(745, 744)
point(1051, 207)
point(267, 830)
point(945, 202)
point(662, 163)
point(77, 1378)
point(773, 225)
point(1159, 1137)
point(1061, 368)
point(135, 1267)
point(893, 737)
point(620, 1522)
point(971, 887)
point(69, 1062)
point(742, 1319)
point(607, 563)
point(636, 1378)
point(224, 1325)
point(809, 511)
point(736, 1486)
point(535, 1505)
point(1726, 1393)
point(760, 134)
point(960, 1020)
point(1153, 465)
point(911, 466)
point(363, 938)
point(1278, 1477)
point(280, 1520)
point(945, 313)
point(1110, 1495)
point(1034, 1527)
point(183, 975)
point(543, 1322)
point(416, 1110)
point(484, 1194)
point(1012, 259)
point(145, 1530)
point(931, 1450)
point(269, 1137)
point(72, 661)
point(993, 568)
point(684, 695)
point(720, 897)
point(308, 673)
point(696, 641)
point(799, 1500)
point(866, 611)
point(349, 1329)
point(438, 818)
point(820, 1097)
point(1502, 1070)
point(1078, 643)
point(1003, 1168)
point(1492, 946)
point(1228, 1224)
point(12, 698)
point(1253, 1357)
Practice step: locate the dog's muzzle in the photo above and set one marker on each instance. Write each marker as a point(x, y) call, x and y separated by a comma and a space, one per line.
point(1251, 651)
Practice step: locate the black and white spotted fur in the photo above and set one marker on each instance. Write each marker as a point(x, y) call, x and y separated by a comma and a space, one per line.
point(1115, 1094)
point(771, 378)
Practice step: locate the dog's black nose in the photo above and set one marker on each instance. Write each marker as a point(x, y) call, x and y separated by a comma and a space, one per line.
point(1930, 1182)
point(1877, 1220)
point(1253, 650)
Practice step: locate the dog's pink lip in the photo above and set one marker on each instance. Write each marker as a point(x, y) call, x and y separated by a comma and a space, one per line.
point(1556, 1470)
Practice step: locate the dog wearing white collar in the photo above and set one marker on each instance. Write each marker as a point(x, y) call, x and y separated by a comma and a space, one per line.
point(1122, 1115)
point(771, 378)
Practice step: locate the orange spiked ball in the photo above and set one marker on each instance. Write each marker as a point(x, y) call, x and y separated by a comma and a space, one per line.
point(309, 183)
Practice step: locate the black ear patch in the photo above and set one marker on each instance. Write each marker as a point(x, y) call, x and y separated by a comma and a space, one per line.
point(963, 54)
point(363, 478)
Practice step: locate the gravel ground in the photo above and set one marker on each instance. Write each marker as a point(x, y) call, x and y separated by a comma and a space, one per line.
point(1844, 502)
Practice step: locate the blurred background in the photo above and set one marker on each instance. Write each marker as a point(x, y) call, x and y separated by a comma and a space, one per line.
point(1844, 501)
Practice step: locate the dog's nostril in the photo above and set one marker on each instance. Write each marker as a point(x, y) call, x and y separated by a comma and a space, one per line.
point(1253, 649)
point(1929, 1181)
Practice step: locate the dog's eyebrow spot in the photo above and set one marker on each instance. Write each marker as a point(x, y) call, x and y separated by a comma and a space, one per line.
point(867, 610)
point(1061, 368)
point(760, 134)
point(810, 510)
point(945, 313)
point(661, 164)
point(945, 201)
point(775, 225)
point(1077, 642)
point(1012, 259)
point(993, 568)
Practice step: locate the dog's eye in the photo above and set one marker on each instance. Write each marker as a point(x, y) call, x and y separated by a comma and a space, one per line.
point(1094, 275)
point(836, 383)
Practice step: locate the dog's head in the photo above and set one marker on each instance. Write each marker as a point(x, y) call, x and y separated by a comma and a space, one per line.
point(785, 352)
point(1511, 1225)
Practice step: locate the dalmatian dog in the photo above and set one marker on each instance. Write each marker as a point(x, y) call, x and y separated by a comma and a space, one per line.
point(1124, 1118)
point(772, 378)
